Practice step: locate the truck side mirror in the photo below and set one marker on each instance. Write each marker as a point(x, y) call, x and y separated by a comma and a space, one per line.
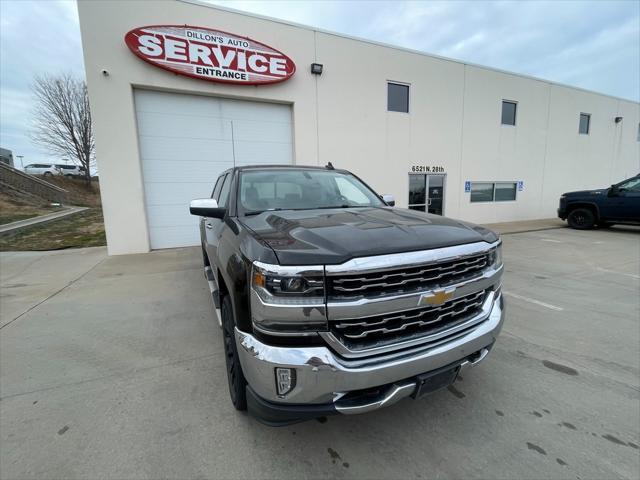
point(613, 191)
point(389, 200)
point(206, 207)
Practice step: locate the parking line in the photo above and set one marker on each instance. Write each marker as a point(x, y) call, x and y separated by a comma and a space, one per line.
point(534, 301)
point(606, 270)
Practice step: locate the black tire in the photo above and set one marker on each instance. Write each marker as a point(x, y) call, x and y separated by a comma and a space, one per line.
point(581, 219)
point(237, 382)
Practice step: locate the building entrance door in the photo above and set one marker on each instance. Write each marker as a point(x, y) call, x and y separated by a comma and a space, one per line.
point(426, 193)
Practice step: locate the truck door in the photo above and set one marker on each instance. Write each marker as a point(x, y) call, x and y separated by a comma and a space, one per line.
point(626, 200)
point(213, 226)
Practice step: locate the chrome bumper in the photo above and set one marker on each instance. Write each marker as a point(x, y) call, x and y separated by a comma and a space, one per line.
point(323, 377)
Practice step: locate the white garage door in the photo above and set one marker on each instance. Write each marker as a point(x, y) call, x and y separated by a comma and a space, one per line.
point(186, 141)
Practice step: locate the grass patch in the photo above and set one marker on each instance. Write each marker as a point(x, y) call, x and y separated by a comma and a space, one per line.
point(84, 229)
point(15, 217)
point(14, 208)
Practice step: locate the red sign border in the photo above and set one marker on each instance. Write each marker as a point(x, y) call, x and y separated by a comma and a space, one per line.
point(128, 40)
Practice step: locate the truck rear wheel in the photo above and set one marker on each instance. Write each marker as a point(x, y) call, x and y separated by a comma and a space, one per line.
point(237, 382)
point(581, 219)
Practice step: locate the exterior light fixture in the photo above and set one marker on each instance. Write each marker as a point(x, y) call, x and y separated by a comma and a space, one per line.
point(316, 68)
point(618, 119)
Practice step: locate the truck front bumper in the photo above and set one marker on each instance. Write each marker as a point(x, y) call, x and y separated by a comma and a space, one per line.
point(327, 383)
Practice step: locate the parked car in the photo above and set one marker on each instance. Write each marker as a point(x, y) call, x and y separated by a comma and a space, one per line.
point(619, 203)
point(71, 170)
point(331, 301)
point(46, 169)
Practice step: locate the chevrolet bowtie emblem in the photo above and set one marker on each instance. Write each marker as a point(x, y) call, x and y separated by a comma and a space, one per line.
point(436, 298)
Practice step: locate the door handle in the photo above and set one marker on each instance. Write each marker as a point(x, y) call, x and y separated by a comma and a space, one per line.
point(208, 225)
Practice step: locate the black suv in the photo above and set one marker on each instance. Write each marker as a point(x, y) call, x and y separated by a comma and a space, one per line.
point(331, 301)
point(618, 204)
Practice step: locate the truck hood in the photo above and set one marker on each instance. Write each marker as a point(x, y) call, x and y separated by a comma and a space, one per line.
point(585, 193)
point(314, 237)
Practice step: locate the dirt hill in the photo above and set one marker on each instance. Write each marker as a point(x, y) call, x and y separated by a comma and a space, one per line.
point(79, 193)
point(18, 205)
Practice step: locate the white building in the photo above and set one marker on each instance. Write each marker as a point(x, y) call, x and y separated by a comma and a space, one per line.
point(401, 120)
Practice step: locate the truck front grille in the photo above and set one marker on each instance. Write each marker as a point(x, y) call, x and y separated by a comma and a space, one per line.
point(423, 277)
point(380, 330)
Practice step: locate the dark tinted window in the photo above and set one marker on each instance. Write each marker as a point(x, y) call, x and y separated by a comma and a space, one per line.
point(481, 192)
point(397, 97)
point(217, 187)
point(289, 189)
point(632, 185)
point(585, 121)
point(505, 191)
point(508, 113)
point(224, 192)
point(416, 190)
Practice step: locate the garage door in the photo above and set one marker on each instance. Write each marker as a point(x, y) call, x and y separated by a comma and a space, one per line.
point(186, 141)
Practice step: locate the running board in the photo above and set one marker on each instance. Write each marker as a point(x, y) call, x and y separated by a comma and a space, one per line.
point(213, 288)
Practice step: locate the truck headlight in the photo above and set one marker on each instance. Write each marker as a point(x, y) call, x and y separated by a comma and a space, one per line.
point(287, 282)
point(495, 257)
point(297, 284)
point(288, 300)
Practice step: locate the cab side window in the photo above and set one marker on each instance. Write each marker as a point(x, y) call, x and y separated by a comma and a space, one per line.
point(632, 185)
point(224, 192)
point(217, 187)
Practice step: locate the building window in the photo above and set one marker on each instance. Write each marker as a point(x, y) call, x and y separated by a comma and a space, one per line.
point(493, 191)
point(481, 192)
point(585, 123)
point(505, 191)
point(397, 97)
point(509, 112)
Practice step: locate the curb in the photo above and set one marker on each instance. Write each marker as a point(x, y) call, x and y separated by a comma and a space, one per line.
point(40, 220)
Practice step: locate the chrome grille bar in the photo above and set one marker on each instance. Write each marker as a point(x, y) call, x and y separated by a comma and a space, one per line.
point(454, 268)
point(449, 312)
point(447, 309)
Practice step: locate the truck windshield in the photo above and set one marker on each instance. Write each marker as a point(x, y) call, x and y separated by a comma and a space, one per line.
point(283, 189)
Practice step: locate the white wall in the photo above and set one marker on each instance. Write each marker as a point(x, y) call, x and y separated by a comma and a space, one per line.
point(341, 116)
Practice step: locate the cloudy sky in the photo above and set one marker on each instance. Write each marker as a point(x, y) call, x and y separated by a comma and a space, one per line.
point(589, 44)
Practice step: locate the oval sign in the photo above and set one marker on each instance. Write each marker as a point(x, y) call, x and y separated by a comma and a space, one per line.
point(211, 55)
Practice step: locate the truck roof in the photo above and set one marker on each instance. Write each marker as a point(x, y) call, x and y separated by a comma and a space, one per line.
point(285, 166)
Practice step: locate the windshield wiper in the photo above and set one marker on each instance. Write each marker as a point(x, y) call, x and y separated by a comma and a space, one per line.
point(258, 212)
point(341, 206)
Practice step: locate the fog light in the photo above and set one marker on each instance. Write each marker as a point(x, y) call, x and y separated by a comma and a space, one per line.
point(285, 380)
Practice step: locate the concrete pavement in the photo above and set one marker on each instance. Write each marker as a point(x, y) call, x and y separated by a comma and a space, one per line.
point(115, 369)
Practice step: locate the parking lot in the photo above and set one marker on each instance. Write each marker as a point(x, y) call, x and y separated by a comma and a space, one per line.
point(113, 367)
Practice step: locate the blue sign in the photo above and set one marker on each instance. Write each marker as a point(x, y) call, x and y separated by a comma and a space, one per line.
point(467, 187)
point(520, 185)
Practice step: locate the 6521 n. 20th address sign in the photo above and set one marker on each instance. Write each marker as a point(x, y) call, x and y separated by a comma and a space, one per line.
point(211, 55)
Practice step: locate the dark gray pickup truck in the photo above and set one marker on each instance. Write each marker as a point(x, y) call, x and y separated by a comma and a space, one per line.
point(332, 301)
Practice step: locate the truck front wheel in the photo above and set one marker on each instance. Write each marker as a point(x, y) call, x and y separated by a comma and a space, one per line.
point(237, 382)
point(581, 219)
